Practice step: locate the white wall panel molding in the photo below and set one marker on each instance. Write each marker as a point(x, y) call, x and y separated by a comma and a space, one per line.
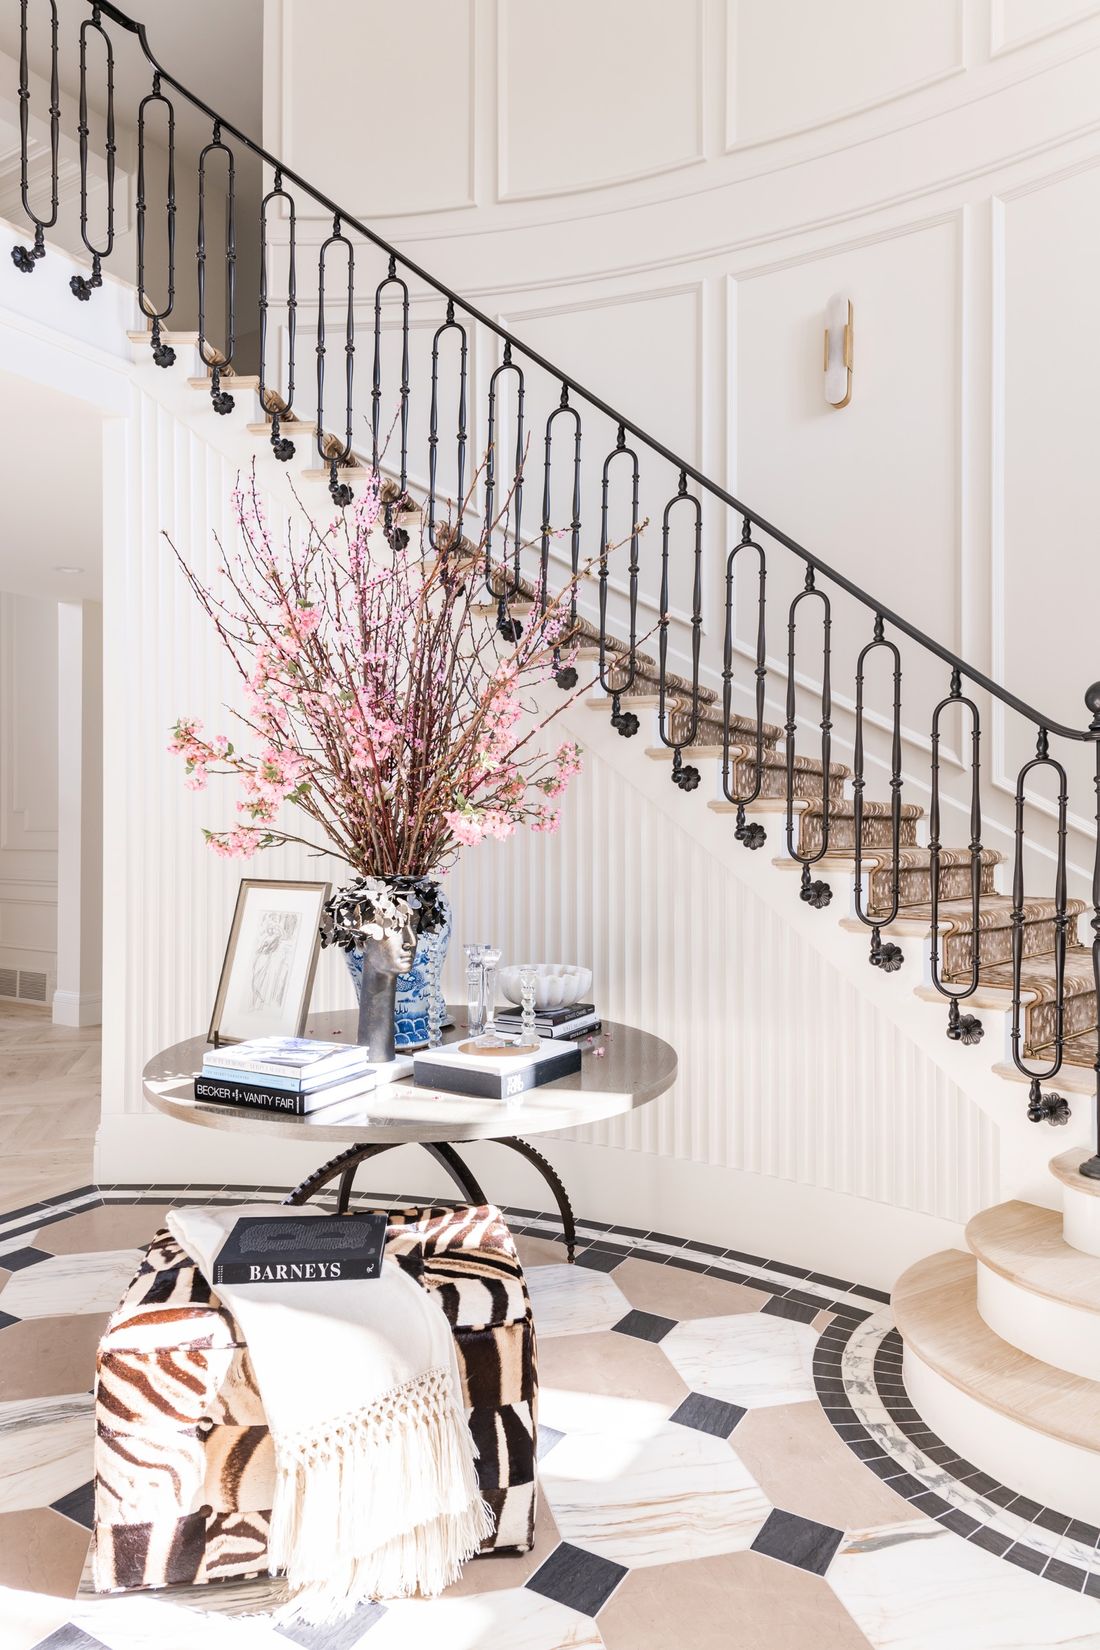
point(633, 89)
point(28, 727)
point(790, 92)
point(1014, 24)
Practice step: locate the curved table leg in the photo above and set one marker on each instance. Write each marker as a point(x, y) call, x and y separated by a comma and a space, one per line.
point(553, 1180)
point(346, 1163)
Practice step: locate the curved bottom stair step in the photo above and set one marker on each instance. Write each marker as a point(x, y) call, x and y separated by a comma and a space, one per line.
point(1030, 1425)
point(1034, 1289)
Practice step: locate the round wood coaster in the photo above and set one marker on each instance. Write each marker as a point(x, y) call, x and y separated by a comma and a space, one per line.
point(507, 1049)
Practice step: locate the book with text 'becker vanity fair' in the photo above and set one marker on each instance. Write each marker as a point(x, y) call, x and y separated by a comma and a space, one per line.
point(293, 1249)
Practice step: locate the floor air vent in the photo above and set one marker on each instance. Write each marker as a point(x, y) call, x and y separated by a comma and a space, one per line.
point(9, 982)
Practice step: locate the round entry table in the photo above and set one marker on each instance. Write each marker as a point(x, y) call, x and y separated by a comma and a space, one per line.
point(634, 1068)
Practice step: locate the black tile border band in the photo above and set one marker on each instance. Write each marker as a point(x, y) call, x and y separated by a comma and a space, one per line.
point(794, 1292)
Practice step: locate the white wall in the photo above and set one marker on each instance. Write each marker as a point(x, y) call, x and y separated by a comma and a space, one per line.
point(28, 787)
point(662, 199)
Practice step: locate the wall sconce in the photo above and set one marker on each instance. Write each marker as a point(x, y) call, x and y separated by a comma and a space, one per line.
point(838, 350)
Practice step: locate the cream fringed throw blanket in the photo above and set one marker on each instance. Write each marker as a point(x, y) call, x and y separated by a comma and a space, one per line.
point(376, 1494)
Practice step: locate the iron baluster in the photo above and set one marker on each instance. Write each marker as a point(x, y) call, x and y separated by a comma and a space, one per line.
point(565, 676)
point(1050, 1108)
point(454, 539)
point(685, 776)
point(218, 361)
point(279, 407)
point(888, 957)
point(754, 835)
point(163, 354)
point(618, 678)
point(392, 279)
point(1091, 1165)
point(25, 257)
point(815, 893)
point(509, 626)
point(961, 1028)
point(82, 286)
point(331, 450)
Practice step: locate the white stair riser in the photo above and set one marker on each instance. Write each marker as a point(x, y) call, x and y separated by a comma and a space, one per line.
point(1049, 1470)
point(1081, 1219)
point(1045, 1328)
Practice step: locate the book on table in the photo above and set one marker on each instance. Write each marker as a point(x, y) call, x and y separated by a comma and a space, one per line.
point(573, 1021)
point(495, 1076)
point(295, 1060)
point(252, 1092)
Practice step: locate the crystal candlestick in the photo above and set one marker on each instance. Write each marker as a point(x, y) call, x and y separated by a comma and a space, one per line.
point(490, 1037)
point(475, 990)
point(435, 995)
point(528, 981)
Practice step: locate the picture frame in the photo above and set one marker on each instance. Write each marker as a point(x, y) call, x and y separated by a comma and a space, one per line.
point(270, 960)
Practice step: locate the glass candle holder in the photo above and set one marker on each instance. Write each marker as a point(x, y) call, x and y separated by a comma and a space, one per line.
point(490, 1037)
point(528, 982)
point(475, 990)
point(435, 996)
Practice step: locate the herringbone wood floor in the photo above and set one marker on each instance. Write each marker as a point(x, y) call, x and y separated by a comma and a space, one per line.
point(49, 1104)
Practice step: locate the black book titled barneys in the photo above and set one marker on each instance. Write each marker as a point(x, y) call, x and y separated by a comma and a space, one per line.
point(316, 1249)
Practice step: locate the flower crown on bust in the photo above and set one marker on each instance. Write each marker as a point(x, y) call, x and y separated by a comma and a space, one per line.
point(372, 908)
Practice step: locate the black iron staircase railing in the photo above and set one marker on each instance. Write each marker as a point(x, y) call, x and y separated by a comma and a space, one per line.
point(688, 713)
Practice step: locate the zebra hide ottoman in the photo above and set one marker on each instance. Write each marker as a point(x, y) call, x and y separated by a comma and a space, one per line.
point(184, 1465)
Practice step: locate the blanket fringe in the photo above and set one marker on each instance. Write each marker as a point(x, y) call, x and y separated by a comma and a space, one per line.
point(382, 1504)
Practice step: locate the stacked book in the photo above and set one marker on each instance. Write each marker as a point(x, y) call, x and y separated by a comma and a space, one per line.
point(289, 1074)
point(495, 1074)
point(578, 1020)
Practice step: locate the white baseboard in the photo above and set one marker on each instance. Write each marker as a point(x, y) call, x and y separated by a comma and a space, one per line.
point(72, 1008)
point(850, 1237)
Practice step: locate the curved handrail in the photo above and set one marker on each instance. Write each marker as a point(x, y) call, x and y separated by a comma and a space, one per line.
point(880, 609)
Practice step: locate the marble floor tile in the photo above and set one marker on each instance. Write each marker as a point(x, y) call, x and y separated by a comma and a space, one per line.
point(537, 1251)
point(918, 1587)
point(27, 1618)
point(801, 1464)
point(753, 1359)
point(566, 1300)
point(578, 1578)
point(45, 1357)
point(41, 1552)
point(144, 1621)
point(112, 1226)
point(672, 1292)
point(517, 1619)
point(45, 1450)
point(739, 1601)
point(606, 1383)
point(676, 1495)
point(803, 1542)
point(708, 1415)
point(70, 1283)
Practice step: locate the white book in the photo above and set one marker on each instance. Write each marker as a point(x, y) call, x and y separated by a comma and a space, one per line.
point(288, 1056)
point(494, 1076)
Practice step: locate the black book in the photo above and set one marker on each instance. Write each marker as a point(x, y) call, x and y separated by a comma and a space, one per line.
point(255, 1096)
point(290, 1249)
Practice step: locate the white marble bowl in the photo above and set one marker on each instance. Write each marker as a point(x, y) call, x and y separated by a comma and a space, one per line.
point(557, 985)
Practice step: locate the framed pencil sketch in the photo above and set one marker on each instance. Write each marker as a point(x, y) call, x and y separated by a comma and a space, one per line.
point(270, 961)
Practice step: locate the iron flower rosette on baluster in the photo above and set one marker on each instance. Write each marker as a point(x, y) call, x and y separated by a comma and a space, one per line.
point(380, 923)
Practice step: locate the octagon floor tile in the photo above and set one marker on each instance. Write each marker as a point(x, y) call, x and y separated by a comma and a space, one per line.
point(29, 1618)
point(678, 1494)
point(607, 1383)
point(739, 1599)
point(45, 1450)
point(45, 1357)
point(516, 1619)
point(918, 1587)
point(673, 1292)
point(111, 1226)
point(752, 1360)
point(70, 1283)
point(798, 1459)
point(41, 1551)
point(536, 1251)
point(570, 1300)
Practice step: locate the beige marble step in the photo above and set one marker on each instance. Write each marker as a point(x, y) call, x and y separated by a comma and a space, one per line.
point(1066, 1168)
point(1024, 1243)
point(935, 1308)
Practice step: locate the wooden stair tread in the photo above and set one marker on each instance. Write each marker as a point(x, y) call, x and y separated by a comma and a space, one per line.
point(1066, 1166)
point(935, 1307)
point(1024, 1243)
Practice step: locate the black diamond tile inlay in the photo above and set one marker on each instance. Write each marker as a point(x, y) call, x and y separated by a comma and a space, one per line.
point(18, 1258)
point(582, 1580)
point(6, 1319)
point(780, 1308)
point(708, 1415)
point(344, 1636)
point(70, 1637)
point(79, 1505)
point(548, 1437)
point(798, 1541)
point(644, 1326)
point(598, 1260)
